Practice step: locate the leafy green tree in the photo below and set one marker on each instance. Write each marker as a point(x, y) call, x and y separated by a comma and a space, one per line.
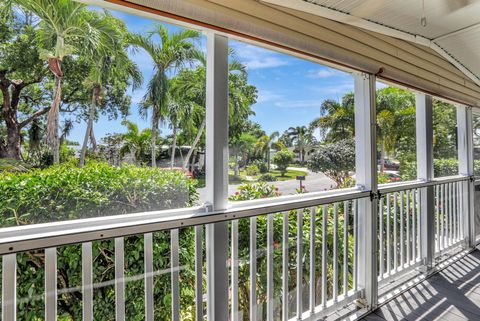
point(173, 51)
point(282, 159)
point(336, 160)
point(135, 142)
point(302, 139)
point(241, 148)
point(65, 26)
point(111, 67)
point(395, 124)
point(444, 130)
point(21, 72)
point(264, 145)
point(337, 120)
point(241, 97)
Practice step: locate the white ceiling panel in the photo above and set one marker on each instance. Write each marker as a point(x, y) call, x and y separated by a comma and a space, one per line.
point(452, 26)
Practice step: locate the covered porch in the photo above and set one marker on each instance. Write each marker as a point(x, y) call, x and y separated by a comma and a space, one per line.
point(395, 251)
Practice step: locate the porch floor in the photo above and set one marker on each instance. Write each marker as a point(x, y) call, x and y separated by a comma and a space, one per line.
point(452, 294)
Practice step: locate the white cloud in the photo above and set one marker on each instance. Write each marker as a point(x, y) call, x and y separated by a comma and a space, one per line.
point(268, 96)
point(258, 58)
point(299, 103)
point(325, 73)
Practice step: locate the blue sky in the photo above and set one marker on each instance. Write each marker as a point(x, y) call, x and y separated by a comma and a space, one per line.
point(290, 90)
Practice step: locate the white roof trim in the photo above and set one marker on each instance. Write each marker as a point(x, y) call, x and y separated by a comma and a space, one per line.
point(315, 9)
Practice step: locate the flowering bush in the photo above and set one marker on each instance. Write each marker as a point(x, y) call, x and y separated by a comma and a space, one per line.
point(254, 191)
point(268, 177)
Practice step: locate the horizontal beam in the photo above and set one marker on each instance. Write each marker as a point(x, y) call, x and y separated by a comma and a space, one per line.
point(26, 238)
point(36, 236)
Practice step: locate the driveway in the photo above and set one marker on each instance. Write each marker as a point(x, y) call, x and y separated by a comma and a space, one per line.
point(314, 182)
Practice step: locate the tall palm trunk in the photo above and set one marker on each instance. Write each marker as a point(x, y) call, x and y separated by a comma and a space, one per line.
point(154, 140)
point(195, 142)
point(53, 120)
point(382, 158)
point(174, 145)
point(88, 131)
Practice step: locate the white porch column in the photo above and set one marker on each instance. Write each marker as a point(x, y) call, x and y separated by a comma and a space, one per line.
point(366, 175)
point(217, 174)
point(465, 167)
point(424, 121)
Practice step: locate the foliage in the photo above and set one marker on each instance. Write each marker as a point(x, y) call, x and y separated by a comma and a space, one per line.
point(441, 167)
point(444, 130)
point(66, 192)
point(254, 191)
point(335, 160)
point(282, 159)
point(13, 165)
point(267, 177)
point(337, 119)
point(252, 170)
point(261, 165)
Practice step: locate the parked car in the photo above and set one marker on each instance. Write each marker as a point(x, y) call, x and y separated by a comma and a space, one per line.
point(393, 177)
point(390, 165)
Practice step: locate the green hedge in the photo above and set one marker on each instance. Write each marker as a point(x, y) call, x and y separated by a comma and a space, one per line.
point(67, 192)
point(441, 167)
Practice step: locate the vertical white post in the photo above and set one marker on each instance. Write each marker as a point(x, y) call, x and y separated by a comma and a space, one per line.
point(425, 172)
point(9, 287)
point(51, 284)
point(119, 279)
point(465, 167)
point(148, 276)
point(87, 282)
point(366, 172)
point(175, 273)
point(217, 174)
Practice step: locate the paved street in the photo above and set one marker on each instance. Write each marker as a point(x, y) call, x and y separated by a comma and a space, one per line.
point(314, 182)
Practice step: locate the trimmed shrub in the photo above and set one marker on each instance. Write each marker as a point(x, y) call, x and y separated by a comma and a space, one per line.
point(98, 189)
point(67, 192)
point(261, 165)
point(441, 167)
point(268, 177)
point(254, 191)
point(282, 159)
point(252, 170)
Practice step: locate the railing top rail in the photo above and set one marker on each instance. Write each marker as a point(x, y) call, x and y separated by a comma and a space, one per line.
point(38, 236)
point(403, 186)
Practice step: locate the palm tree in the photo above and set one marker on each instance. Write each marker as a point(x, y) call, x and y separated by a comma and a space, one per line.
point(337, 120)
point(174, 51)
point(194, 88)
point(66, 26)
point(135, 141)
point(264, 145)
point(298, 134)
point(110, 63)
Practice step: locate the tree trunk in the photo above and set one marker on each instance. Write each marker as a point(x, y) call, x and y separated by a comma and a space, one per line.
point(11, 147)
point(174, 145)
point(268, 159)
point(236, 167)
point(154, 137)
point(91, 118)
point(195, 142)
point(53, 121)
point(382, 158)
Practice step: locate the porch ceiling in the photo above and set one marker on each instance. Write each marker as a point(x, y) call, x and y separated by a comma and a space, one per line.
point(453, 25)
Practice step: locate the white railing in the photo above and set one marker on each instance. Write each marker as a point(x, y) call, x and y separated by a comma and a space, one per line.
point(448, 210)
point(309, 253)
point(399, 232)
point(290, 258)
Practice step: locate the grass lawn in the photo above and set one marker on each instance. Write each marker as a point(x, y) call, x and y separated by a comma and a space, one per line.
point(290, 174)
